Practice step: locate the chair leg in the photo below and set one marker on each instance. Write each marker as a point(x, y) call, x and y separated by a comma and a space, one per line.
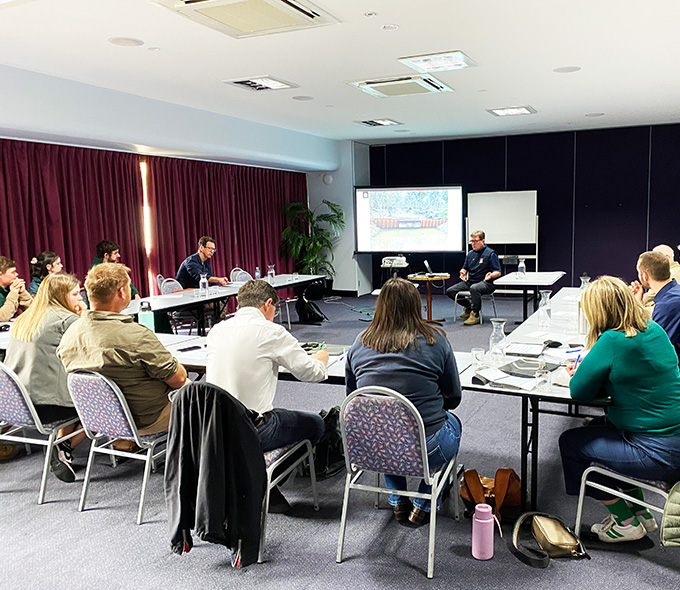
point(145, 481)
point(376, 502)
point(493, 301)
point(288, 314)
point(455, 491)
point(343, 519)
point(312, 475)
point(263, 519)
point(88, 471)
point(46, 466)
point(581, 498)
point(433, 529)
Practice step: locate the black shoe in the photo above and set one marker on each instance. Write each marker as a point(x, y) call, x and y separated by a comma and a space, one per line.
point(60, 467)
point(402, 511)
point(277, 503)
point(419, 517)
point(66, 451)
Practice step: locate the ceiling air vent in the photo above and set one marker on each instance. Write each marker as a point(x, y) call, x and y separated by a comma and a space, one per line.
point(379, 122)
point(401, 86)
point(260, 83)
point(249, 18)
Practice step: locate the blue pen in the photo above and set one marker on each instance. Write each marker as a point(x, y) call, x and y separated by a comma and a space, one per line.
point(578, 358)
point(575, 350)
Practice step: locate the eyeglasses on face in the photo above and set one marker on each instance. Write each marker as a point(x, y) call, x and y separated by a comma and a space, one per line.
point(473, 240)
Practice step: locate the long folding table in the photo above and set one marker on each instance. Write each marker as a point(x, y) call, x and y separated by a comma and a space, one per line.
point(527, 282)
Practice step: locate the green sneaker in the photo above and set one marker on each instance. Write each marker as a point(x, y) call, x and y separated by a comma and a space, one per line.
point(609, 531)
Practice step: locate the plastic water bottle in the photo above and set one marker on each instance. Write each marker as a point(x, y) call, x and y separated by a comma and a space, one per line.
point(258, 274)
point(145, 316)
point(522, 269)
point(482, 532)
point(203, 286)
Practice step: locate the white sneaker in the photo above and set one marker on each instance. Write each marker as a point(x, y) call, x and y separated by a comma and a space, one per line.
point(647, 520)
point(609, 531)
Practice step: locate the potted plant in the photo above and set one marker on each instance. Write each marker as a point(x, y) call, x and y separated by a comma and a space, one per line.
point(309, 236)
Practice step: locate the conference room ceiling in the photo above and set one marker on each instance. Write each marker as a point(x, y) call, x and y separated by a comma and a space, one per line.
point(627, 53)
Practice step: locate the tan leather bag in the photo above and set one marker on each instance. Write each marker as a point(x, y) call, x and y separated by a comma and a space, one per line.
point(505, 489)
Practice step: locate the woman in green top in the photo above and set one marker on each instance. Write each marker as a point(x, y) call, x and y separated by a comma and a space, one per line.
point(632, 363)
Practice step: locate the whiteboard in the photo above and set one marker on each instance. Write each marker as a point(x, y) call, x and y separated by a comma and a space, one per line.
point(507, 217)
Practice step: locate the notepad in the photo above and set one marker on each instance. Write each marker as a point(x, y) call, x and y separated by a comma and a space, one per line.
point(524, 349)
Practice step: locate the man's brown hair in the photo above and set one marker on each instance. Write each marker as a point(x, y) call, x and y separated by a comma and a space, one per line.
point(656, 265)
point(478, 234)
point(255, 294)
point(203, 241)
point(104, 280)
point(6, 264)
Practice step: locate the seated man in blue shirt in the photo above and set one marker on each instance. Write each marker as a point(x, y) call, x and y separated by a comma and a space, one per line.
point(190, 271)
point(654, 273)
point(481, 267)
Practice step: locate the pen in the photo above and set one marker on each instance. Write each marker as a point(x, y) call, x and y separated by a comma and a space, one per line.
point(578, 358)
point(575, 350)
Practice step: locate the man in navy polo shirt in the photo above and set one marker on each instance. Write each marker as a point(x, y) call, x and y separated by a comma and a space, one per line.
point(655, 274)
point(190, 271)
point(481, 267)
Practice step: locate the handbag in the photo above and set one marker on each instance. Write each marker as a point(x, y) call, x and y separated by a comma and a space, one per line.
point(503, 490)
point(554, 539)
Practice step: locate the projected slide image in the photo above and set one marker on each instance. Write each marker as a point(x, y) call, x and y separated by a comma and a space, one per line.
point(409, 220)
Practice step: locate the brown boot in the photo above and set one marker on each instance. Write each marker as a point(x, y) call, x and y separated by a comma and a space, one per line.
point(8, 452)
point(466, 313)
point(473, 320)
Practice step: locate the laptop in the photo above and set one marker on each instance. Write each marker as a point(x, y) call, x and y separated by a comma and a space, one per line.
point(433, 274)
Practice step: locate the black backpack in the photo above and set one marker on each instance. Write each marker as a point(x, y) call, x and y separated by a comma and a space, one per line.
point(309, 312)
point(329, 454)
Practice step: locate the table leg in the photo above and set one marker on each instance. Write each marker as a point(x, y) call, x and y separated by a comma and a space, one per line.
point(535, 298)
point(429, 319)
point(525, 304)
point(524, 452)
point(534, 453)
point(200, 319)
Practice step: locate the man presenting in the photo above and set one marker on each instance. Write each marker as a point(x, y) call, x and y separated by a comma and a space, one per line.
point(480, 268)
point(190, 271)
point(110, 343)
point(13, 293)
point(244, 355)
point(654, 274)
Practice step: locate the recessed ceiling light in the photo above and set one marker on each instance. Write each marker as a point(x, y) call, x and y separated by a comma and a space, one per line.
point(261, 83)
point(370, 14)
point(378, 122)
point(329, 106)
point(510, 111)
point(126, 41)
point(389, 27)
point(594, 115)
point(402, 131)
point(438, 62)
point(303, 97)
point(153, 48)
point(567, 69)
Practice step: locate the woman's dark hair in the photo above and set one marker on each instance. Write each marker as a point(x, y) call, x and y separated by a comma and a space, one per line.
point(40, 262)
point(398, 319)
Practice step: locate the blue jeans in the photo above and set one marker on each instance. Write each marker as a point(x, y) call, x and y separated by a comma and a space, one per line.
point(442, 446)
point(641, 456)
point(286, 427)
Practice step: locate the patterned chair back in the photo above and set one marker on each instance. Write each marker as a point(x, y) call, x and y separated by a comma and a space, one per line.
point(383, 433)
point(239, 275)
point(14, 408)
point(170, 286)
point(100, 405)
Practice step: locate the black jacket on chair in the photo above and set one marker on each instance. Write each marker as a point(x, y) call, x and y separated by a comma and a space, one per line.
point(215, 475)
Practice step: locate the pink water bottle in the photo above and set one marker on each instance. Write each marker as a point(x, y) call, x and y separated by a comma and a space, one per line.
point(482, 532)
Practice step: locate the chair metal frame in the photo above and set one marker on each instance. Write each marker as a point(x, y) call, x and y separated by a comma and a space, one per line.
point(159, 282)
point(103, 443)
point(437, 478)
point(467, 294)
point(177, 318)
point(16, 431)
point(291, 450)
point(659, 488)
point(238, 275)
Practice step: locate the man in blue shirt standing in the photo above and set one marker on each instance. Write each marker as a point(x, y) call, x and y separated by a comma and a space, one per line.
point(190, 271)
point(481, 267)
point(654, 273)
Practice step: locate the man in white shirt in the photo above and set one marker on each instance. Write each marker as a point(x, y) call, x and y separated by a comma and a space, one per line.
point(244, 355)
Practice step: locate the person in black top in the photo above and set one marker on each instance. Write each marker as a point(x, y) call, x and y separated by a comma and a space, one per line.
point(190, 271)
point(481, 267)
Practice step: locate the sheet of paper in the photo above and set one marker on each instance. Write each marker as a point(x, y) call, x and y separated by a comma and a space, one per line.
point(522, 349)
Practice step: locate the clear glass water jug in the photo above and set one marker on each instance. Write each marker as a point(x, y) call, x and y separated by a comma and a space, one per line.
point(522, 269)
point(271, 273)
point(497, 342)
point(203, 286)
point(544, 309)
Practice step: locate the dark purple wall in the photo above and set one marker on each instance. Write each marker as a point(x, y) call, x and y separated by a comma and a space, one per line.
point(604, 196)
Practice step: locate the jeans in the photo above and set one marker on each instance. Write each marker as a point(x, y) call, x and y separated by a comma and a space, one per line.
point(286, 427)
point(641, 456)
point(442, 446)
point(476, 292)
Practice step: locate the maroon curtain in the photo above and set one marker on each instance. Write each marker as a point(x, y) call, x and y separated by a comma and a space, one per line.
point(239, 206)
point(67, 199)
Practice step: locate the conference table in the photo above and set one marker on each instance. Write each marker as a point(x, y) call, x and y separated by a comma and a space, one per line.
point(528, 281)
point(563, 329)
point(189, 299)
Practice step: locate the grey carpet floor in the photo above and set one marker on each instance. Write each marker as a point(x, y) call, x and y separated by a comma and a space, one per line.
point(53, 546)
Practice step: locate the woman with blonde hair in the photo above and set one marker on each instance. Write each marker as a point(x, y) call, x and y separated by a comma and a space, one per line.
point(632, 363)
point(32, 355)
point(401, 351)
